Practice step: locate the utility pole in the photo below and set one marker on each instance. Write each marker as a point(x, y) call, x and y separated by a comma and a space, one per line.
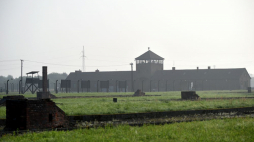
point(21, 76)
point(83, 56)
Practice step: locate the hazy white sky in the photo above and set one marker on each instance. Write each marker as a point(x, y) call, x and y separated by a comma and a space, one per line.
point(189, 33)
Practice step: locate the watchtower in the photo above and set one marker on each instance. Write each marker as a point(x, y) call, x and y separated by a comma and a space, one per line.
point(148, 63)
point(31, 82)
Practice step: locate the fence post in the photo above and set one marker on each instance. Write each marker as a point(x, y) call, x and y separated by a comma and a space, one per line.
point(166, 85)
point(19, 86)
point(150, 86)
point(7, 91)
point(158, 85)
point(142, 86)
point(116, 85)
point(78, 87)
point(97, 85)
point(125, 85)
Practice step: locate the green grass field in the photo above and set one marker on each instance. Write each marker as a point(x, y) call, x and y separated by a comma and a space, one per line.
point(236, 129)
point(86, 106)
point(171, 94)
point(229, 130)
point(135, 105)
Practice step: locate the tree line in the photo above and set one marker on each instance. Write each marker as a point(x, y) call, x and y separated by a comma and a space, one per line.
point(52, 77)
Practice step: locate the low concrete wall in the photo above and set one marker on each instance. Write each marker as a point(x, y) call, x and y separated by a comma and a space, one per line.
point(156, 114)
point(168, 114)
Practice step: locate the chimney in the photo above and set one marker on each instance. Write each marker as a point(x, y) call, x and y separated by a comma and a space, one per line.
point(173, 68)
point(44, 79)
point(44, 94)
point(209, 67)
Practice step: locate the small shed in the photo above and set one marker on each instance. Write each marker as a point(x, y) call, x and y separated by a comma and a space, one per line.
point(189, 95)
point(139, 93)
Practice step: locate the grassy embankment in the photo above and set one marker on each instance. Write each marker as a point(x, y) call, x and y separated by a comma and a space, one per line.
point(237, 129)
point(86, 106)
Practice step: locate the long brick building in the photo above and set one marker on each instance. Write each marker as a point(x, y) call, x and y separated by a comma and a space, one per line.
point(150, 76)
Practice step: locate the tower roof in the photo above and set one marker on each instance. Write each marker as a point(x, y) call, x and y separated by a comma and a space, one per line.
point(149, 55)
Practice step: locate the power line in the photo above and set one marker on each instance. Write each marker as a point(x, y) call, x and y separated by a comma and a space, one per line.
point(62, 57)
point(51, 63)
point(11, 65)
point(71, 65)
point(8, 60)
point(10, 68)
point(106, 60)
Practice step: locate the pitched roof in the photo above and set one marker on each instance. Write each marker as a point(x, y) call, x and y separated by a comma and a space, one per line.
point(149, 55)
point(201, 74)
point(115, 75)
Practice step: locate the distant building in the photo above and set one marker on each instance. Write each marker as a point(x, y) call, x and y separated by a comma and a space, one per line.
point(150, 76)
